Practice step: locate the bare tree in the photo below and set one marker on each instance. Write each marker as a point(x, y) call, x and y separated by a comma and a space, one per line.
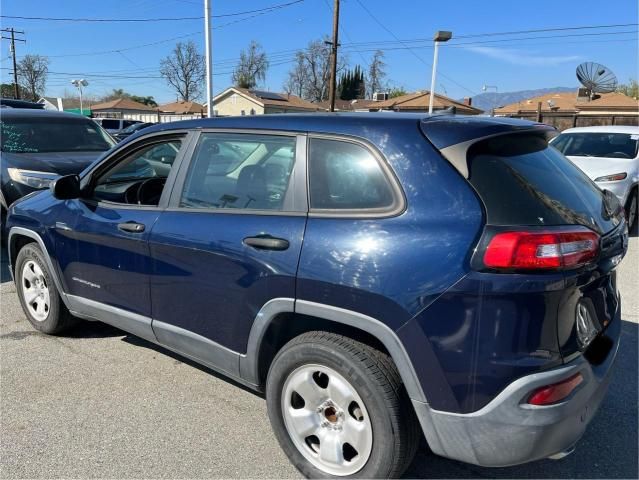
point(296, 81)
point(184, 70)
point(252, 67)
point(32, 75)
point(310, 74)
point(376, 73)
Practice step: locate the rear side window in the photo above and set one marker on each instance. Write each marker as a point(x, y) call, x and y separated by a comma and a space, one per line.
point(239, 171)
point(523, 181)
point(346, 176)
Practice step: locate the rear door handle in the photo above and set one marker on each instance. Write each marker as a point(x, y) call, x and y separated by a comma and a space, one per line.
point(266, 242)
point(131, 227)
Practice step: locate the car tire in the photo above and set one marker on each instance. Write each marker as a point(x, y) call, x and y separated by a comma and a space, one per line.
point(631, 208)
point(38, 294)
point(355, 405)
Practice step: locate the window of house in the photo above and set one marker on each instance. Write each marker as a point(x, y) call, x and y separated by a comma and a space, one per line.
point(239, 171)
point(346, 176)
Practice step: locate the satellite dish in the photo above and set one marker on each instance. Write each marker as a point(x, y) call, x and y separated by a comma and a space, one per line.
point(597, 78)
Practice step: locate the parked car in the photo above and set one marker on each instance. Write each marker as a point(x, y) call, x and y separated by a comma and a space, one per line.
point(115, 125)
point(12, 103)
point(130, 130)
point(610, 156)
point(38, 146)
point(376, 275)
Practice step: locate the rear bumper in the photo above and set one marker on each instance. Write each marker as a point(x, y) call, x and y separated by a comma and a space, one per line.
point(509, 432)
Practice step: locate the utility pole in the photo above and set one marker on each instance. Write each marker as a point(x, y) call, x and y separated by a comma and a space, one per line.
point(208, 54)
point(16, 90)
point(334, 45)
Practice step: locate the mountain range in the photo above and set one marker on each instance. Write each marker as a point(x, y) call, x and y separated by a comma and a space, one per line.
point(487, 100)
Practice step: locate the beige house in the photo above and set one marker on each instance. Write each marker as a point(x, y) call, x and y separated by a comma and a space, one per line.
point(241, 101)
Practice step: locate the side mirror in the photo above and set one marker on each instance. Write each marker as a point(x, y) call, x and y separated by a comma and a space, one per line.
point(66, 188)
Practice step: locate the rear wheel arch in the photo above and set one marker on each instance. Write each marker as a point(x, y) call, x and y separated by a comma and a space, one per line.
point(279, 322)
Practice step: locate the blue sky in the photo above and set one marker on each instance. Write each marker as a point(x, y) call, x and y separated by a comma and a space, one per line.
point(510, 64)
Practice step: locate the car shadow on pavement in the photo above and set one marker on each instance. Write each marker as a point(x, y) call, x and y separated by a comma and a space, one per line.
point(140, 342)
point(607, 450)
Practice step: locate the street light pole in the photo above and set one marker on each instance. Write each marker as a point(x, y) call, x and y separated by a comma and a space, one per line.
point(80, 83)
point(208, 53)
point(440, 36)
point(485, 88)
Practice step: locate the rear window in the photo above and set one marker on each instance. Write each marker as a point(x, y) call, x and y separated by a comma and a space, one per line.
point(523, 181)
point(52, 134)
point(597, 144)
point(110, 124)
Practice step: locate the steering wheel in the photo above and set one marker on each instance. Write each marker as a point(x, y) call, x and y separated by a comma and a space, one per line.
point(150, 191)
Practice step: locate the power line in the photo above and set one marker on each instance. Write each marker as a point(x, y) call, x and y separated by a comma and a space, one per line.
point(141, 20)
point(410, 49)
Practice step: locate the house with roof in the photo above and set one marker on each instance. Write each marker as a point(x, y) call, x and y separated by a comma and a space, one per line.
point(124, 108)
point(242, 101)
point(571, 109)
point(419, 102)
point(182, 107)
point(357, 105)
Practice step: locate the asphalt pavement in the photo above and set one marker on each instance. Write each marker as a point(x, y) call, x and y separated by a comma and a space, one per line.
point(103, 404)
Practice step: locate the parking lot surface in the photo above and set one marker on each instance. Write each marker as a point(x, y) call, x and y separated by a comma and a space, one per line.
point(102, 403)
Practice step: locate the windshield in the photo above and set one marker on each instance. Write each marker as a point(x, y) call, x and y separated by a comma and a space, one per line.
point(52, 134)
point(597, 144)
point(133, 128)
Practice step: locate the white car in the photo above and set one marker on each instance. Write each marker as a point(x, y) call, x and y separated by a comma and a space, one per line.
point(610, 156)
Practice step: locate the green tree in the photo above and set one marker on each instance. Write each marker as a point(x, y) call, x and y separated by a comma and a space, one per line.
point(631, 88)
point(397, 92)
point(7, 91)
point(121, 93)
point(352, 84)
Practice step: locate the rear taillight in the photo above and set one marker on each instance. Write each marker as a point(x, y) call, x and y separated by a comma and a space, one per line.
point(545, 249)
point(556, 392)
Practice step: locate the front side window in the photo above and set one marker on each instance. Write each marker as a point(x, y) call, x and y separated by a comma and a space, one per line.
point(139, 178)
point(346, 176)
point(239, 171)
point(52, 134)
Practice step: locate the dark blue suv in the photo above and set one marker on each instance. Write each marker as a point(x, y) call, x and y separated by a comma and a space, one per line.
point(376, 275)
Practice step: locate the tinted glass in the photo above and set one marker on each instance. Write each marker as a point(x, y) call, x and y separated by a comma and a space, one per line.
point(110, 124)
point(52, 134)
point(598, 144)
point(347, 176)
point(239, 171)
point(522, 181)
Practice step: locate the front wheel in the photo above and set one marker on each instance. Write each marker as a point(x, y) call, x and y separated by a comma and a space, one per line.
point(38, 294)
point(339, 409)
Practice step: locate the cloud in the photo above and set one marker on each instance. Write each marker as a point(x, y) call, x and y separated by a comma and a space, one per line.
point(518, 57)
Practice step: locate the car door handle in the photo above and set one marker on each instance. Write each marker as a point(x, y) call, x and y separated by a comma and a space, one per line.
point(131, 227)
point(266, 242)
